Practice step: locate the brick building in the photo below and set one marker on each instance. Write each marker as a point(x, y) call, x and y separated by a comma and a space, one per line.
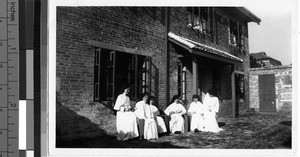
point(260, 59)
point(165, 51)
point(271, 89)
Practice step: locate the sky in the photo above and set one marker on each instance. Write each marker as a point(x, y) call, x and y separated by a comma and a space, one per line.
point(274, 34)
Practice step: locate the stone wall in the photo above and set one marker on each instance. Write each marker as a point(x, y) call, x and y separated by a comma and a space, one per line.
point(283, 86)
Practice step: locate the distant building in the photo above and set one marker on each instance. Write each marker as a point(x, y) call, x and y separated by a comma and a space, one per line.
point(260, 59)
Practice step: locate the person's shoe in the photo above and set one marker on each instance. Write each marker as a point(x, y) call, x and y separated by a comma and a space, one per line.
point(177, 132)
point(196, 130)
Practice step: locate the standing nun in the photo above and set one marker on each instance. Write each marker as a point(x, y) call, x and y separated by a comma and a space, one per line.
point(126, 121)
point(211, 103)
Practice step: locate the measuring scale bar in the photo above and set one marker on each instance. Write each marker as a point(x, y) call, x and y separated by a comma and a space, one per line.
point(9, 78)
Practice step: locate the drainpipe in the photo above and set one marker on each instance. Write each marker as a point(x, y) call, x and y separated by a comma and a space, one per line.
point(167, 61)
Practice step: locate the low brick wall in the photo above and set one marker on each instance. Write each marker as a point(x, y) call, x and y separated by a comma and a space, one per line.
point(283, 86)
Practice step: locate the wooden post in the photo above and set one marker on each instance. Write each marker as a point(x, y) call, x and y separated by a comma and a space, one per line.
point(195, 75)
point(233, 91)
point(136, 79)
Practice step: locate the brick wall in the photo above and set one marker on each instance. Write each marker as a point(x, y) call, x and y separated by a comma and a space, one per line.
point(120, 26)
point(140, 29)
point(179, 27)
point(283, 87)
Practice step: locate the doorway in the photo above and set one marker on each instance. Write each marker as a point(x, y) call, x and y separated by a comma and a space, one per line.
point(267, 101)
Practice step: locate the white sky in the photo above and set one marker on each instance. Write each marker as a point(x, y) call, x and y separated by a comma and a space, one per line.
point(274, 34)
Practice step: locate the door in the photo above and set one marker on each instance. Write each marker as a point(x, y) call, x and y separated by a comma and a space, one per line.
point(267, 101)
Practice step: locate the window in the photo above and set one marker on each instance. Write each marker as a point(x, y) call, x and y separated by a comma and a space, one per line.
point(113, 69)
point(233, 33)
point(241, 39)
point(181, 82)
point(237, 34)
point(240, 86)
point(199, 19)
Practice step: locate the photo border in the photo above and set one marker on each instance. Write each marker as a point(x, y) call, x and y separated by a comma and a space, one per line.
point(51, 81)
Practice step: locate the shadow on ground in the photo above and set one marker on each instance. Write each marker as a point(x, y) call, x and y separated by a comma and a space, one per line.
point(111, 142)
point(248, 131)
point(77, 131)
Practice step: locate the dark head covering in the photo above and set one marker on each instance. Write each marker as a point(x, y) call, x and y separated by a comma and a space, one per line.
point(175, 97)
point(196, 96)
point(150, 98)
point(212, 91)
point(144, 94)
point(126, 86)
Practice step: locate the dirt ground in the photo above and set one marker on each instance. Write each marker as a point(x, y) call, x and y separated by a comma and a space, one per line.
point(248, 131)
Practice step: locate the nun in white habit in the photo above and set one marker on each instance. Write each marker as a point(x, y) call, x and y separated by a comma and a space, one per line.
point(175, 111)
point(150, 127)
point(161, 126)
point(211, 103)
point(126, 121)
point(196, 111)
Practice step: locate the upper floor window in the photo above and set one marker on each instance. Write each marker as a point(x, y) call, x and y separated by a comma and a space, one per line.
point(199, 18)
point(242, 36)
point(237, 34)
point(233, 33)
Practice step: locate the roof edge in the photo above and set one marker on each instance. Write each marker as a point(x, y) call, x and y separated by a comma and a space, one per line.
point(252, 16)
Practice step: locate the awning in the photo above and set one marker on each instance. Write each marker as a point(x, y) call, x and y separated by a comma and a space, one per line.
point(204, 50)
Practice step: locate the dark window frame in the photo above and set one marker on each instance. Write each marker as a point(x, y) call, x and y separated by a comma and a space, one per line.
point(138, 66)
point(201, 19)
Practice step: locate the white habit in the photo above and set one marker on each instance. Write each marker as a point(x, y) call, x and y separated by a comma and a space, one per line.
point(126, 120)
point(197, 110)
point(161, 126)
point(176, 110)
point(150, 128)
point(211, 104)
point(139, 109)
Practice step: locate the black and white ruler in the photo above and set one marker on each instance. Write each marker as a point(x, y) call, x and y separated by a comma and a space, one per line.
point(9, 78)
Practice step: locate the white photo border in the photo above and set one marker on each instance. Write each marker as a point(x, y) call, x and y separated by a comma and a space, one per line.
point(51, 101)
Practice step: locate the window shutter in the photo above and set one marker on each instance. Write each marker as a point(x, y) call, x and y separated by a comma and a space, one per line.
point(150, 78)
point(97, 74)
point(110, 78)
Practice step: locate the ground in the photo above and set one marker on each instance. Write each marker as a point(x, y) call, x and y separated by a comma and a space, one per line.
point(248, 131)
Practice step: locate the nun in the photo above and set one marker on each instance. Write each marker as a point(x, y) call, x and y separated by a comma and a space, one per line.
point(175, 111)
point(126, 120)
point(211, 103)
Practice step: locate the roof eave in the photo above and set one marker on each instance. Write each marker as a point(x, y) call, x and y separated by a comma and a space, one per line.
point(216, 57)
point(249, 14)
